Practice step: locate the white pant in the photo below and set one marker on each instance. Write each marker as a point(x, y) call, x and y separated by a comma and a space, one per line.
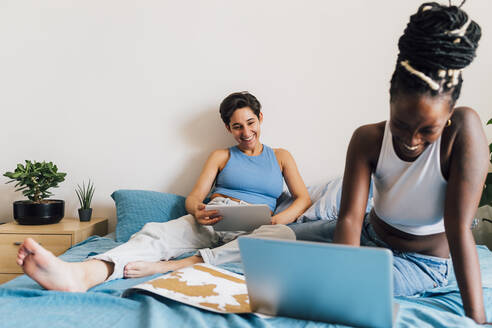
point(167, 240)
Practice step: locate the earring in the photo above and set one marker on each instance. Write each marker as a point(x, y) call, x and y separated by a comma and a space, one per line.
point(449, 123)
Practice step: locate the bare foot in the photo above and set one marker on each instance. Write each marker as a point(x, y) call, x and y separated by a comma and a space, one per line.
point(48, 270)
point(141, 269)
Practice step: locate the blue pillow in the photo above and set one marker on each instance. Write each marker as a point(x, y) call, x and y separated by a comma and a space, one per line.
point(134, 208)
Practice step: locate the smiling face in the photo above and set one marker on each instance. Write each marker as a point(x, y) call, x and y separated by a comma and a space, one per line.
point(416, 121)
point(245, 128)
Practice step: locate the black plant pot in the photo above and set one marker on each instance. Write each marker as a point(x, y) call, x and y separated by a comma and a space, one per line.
point(85, 214)
point(29, 213)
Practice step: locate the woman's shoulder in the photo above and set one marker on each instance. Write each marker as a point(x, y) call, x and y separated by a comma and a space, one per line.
point(465, 117)
point(463, 137)
point(366, 142)
point(465, 144)
point(221, 152)
point(369, 136)
point(374, 130)
point(465, 122)
point(284, 157)
point(282, 153)
point(219, 156)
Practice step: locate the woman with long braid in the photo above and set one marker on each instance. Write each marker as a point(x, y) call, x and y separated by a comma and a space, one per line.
point(428, 163)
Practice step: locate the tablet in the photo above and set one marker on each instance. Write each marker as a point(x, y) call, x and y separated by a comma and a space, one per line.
point(241, 217)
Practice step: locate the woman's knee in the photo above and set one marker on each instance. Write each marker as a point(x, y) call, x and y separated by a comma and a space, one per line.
point(320, 231)
point(152, 227)
point(275, 231)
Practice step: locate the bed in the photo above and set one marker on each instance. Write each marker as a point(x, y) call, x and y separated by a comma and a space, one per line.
point(23, 303)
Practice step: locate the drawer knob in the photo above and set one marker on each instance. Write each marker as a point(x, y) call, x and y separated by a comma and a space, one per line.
point(18, 243)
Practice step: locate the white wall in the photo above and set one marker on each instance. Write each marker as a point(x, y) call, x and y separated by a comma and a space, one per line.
point(127, 92)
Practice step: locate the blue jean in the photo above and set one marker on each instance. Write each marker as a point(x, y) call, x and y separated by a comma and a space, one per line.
point(413, 273)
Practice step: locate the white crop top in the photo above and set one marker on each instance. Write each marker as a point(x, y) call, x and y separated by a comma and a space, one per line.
point(410, 195)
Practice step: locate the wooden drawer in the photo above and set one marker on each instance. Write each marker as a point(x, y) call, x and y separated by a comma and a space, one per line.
point(9, 245)
point(4, 277)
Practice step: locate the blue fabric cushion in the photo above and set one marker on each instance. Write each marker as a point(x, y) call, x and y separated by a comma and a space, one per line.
point(325, 200)
point(134, 208)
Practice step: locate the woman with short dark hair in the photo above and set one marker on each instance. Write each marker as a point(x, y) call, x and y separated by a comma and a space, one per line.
point(248, 173)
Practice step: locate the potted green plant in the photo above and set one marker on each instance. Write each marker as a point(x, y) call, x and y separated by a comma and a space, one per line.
point(35, 179)
point(482, 223)
point(487, 191)
point(85, 194)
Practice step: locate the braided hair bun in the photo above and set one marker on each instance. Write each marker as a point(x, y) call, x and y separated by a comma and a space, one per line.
point(438, 42)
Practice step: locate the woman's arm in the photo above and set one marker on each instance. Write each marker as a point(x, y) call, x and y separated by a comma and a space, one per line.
point(467, 171)
point(296, 186)
point(356, 182)
point(194, 202)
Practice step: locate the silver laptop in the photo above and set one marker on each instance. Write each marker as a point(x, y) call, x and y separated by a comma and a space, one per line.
point(241, 217)
point(319, 281)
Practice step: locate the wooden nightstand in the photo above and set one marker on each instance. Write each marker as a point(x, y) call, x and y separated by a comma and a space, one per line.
point(55, 237)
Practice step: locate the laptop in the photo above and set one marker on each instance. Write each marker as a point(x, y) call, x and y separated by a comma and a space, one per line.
point(319, 281)
point(241, 217)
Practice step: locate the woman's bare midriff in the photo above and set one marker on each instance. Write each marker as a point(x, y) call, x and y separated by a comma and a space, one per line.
point(433, 245)
point(225, 196)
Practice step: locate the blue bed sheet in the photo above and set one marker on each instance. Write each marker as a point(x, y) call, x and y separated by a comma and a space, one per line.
point(23, 303)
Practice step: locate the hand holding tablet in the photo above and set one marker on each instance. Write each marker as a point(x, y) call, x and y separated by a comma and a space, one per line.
point(206, 217)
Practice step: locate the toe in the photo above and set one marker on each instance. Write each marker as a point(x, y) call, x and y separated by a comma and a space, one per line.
point(129, 273)
point(128, 270)
point(21, 255)
point(31, 246)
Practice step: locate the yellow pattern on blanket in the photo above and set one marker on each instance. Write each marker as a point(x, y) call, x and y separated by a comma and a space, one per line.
point(203, 286)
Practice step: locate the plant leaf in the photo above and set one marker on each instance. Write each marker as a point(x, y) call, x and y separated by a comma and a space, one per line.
point(35, 179)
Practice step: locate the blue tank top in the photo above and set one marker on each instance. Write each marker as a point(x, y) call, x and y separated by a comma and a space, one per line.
point(253, 179)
